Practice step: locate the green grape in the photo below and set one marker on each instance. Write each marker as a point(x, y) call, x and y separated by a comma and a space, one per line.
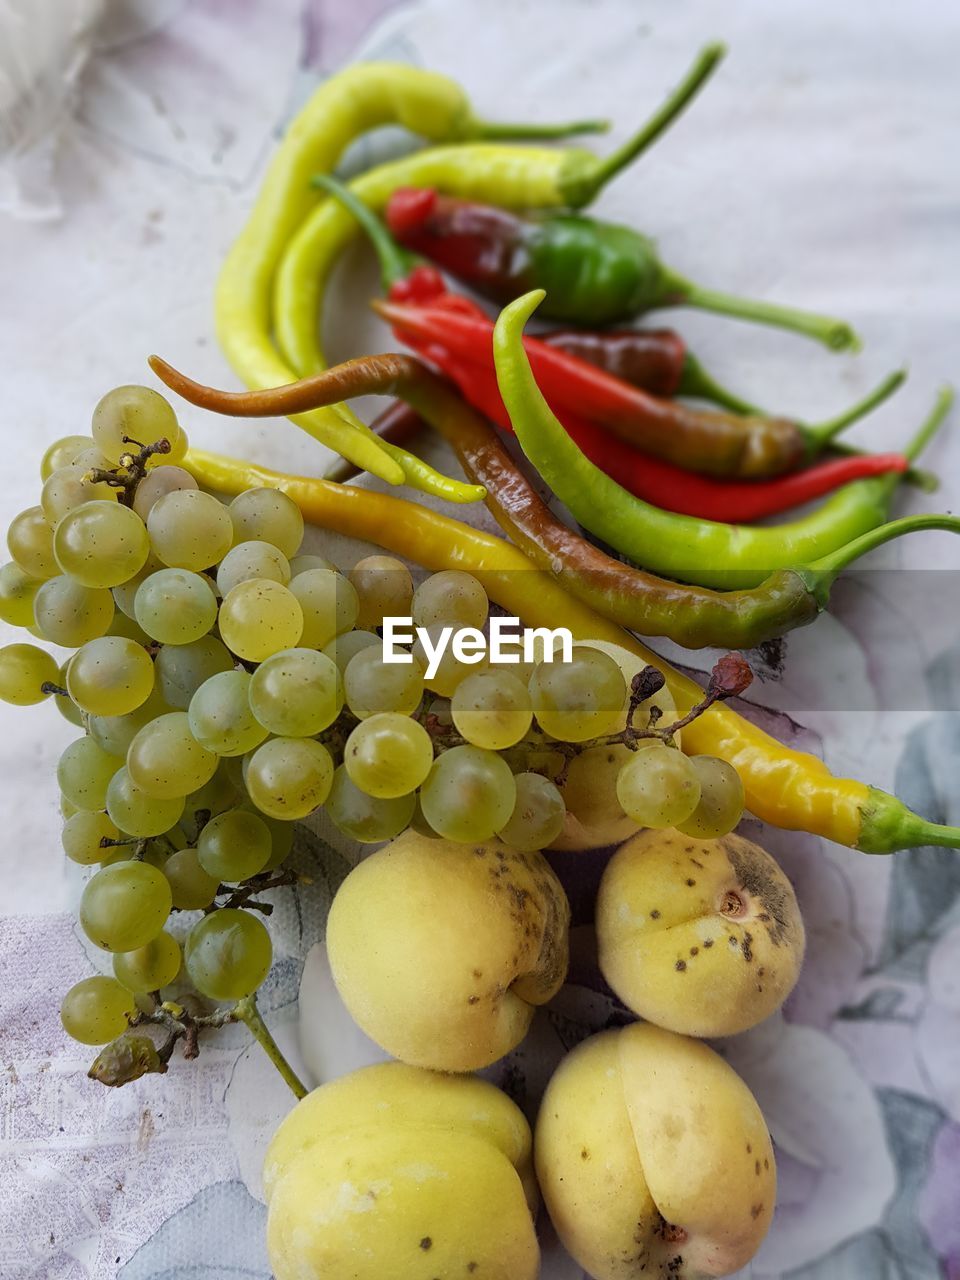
point(492, 709)
point(190, 886)
point(419, 824)
point(538, 813)
point(303, 564)
point(125, 594)
point(131, 416)
point(363, 817)
point(450, 670)
point(296, 693)
point(720, 807)
point(115, 733)
point(178, 452)
point(101, 544)
point(450, 597)
point(17, 594)
point(71, 487)
point(523, 670)
point(157, 484)
point(24, 669)
point(70, 614)
point(66, 705)
point(62, 452)
point(30, 539)
point(590, 789)
point(289, 777)
point(125, 905)
point(129, 628)
point(384, 589)
point(269, 516)
point(329, 603)
point(182, 669)
point(165, 759)
point(342, 648)
point(67, 807)
point(260, 617)
point(175, 606)
point(137, 813)
point(372, 685)
point(84, 771)
point(281, 840)
point(81, 836)
point(110, 676)
point(469, 795)
point(215, 796)
point(228, 954)
point(252, 560)
point(221, 718)
point(388, 755)
point(189, 529)
point(581, 699)
point(234, 846)
point(150, 967)
point(93, 459)
point(658, 787)
point(97, 1010)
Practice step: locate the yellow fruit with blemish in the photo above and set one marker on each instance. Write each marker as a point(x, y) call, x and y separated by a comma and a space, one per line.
point(395, 1171)
point(653, 1158)
point(703, 937)
point(442, 951)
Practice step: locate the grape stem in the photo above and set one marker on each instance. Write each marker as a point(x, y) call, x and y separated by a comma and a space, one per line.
point(181, 1025)
point(49, 687)
point(240, 896)
point(246, 1011)
point(131, 469)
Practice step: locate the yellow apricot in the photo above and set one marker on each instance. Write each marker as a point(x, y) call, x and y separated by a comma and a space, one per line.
point(703, 937)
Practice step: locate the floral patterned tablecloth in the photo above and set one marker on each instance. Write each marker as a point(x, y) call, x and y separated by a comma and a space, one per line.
point(818, 168)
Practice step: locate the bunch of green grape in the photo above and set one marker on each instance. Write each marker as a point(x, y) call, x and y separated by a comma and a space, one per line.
point(228, 686)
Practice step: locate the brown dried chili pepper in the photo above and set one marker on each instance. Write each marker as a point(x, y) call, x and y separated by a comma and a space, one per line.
point(692, 616)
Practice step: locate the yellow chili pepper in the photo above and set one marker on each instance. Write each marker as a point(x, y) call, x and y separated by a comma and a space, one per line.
point(359, 98)
point(512, 177)
point(787, 788)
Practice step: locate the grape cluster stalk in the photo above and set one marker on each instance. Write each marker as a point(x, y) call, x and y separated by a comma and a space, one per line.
point(227, 685)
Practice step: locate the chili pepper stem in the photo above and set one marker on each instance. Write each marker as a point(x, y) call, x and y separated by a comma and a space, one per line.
point(699, 385)
point(887, 825)
point(823, 432)
point(919, 477)
point(586, 185)
point(506, 131)
point(833, 333)
point(246, 1011)
point(916, 445)
point(820, 575)
point(395, 263)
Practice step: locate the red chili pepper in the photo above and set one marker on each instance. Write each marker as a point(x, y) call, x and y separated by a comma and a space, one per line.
point(707, 441)
point(660, 482)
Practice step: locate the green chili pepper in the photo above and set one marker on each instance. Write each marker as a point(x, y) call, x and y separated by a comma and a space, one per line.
point(702, 551)
point(594, 273)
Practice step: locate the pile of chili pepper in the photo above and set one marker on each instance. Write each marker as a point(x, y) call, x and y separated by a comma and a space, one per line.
point(600, 414)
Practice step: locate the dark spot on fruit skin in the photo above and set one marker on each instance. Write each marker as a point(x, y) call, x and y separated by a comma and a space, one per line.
point(694, 951)
point(654, 915)
point(584, 1154)
point(749, 1149)
point(766, 1164)
point(473, 999)
point(478, 973)
point(480, 853)
point(763, 881)
point(708, 942)
point(756, 1210)
point(426, 1243)
point(756, 1167)
point(733, 942)
point(745, 946)
point(680, 966)
point(471, 1266)
point(691, 883)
